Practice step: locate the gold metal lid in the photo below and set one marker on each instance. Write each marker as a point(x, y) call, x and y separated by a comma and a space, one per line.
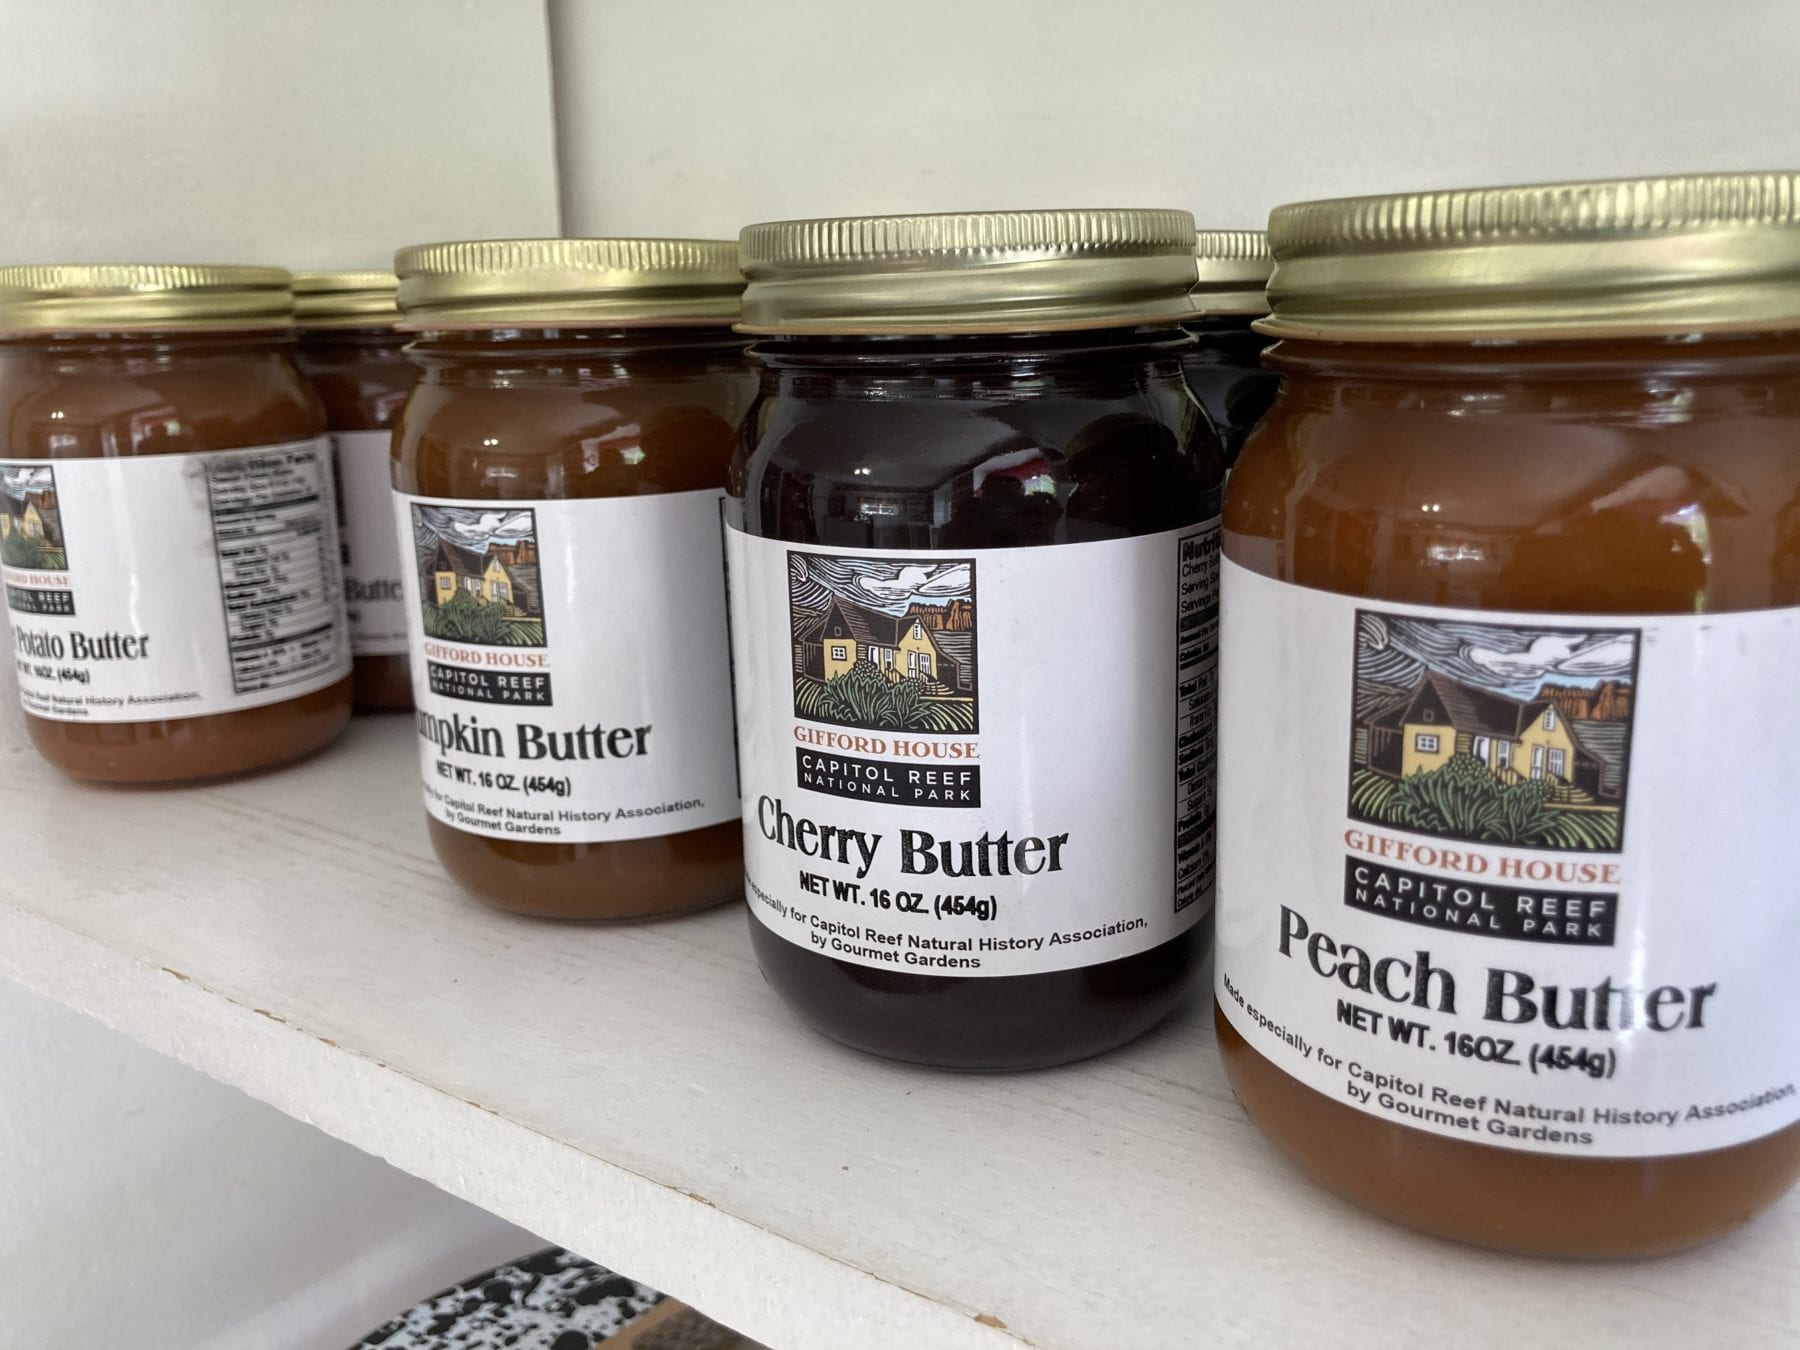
point(150, 296)
point(488, 283)
point(1633, 257)
point(979, 272)
point(1231, 271)
point(345, 299)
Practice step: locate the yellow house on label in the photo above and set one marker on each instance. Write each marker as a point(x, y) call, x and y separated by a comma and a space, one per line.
point(1514, 739)
point(504, 576)
point(35, 516)
point(831, 643)
point(496, 583)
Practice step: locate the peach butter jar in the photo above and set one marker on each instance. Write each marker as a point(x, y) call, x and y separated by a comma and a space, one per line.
point(559, 471)
point(1512, 608)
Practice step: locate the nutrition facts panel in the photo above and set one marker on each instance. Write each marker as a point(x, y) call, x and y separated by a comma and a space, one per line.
point(1196, 711)
point(275, 532)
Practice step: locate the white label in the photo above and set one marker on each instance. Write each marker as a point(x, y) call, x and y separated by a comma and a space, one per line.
point(978, 762)
point(372, 590)
point(569, 665)
point(1517, 879)
point(165, 586)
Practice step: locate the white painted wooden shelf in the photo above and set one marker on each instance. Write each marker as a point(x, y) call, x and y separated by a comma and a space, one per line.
point(637, 1094)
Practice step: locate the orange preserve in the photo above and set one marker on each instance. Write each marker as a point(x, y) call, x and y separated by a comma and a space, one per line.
point(558, 475)
point(357, 363)
point(1512, 608)
point(168, 538)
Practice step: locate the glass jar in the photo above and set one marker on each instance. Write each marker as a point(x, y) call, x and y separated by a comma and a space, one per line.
point(1224, 367)
point(166, 537)
point(974, 612)
point(1511, 963)
point(558, 470)
point(357, 363)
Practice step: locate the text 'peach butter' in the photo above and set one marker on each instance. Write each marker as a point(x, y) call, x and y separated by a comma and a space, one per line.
point(1512, 609)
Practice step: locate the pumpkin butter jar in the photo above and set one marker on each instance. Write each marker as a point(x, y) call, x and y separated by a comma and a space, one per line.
point(357, 363)
point(168, 537)
point(558, 473)
point(1224, 367)
point(1512, 609)
point(974, 611)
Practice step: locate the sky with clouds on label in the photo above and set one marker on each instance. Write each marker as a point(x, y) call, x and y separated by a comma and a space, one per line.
point(475, 529)
point(890, 587)
point(1396, 649)
point(18, 479)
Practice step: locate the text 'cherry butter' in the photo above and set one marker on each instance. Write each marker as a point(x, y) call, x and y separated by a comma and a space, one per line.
point(974, 569)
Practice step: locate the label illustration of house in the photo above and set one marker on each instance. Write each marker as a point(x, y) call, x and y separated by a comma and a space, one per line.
point(883, 644)
point(31, 529)
point(1491, 732)
point(1511, 738)
point(479, 575)
point(897, 646)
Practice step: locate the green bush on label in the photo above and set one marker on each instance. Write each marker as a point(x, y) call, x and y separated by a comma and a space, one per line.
point(907, 700)
point(859, 696)
point(1595, 830)
point(863, 696)
point(950, 716)
point(1372, 794)
point(1462, 797)
point(1522, 812)
point(21, 550)
point(467, 620)
point(809, 697)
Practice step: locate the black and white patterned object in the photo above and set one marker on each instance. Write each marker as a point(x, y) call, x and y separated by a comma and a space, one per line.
point(551, 1300)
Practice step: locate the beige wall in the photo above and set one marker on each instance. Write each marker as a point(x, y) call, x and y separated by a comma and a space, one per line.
point(312, 133)
point(696, 116)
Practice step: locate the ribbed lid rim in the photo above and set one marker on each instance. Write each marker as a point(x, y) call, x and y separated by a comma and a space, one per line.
point(39, 297)
point(346, 299)
point(1246, 246)
point(965, 235)
point(1231, 271)
point(1575, 210)
point(1616, 257)
point(483, 282)
point(979, 271)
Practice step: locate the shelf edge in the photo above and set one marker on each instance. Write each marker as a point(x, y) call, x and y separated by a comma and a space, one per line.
point(762, 1284)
